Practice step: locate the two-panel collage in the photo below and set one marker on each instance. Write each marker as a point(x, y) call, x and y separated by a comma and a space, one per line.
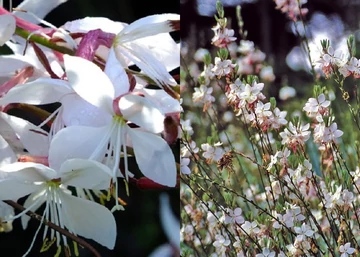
point(192, 128)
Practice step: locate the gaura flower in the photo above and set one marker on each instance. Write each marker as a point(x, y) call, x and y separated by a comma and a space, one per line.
point(107, 91)
point(47, 185)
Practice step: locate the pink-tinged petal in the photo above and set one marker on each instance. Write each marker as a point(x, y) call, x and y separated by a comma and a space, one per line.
point(77, 111)
point(85, 174)
point(89, 219)
point(7, 155)
point(154, 157)
point(40, 91)
point(142, 112)
point(90, 82)
point(77, 142)
point(116, 74)
point(148, 26)
point(7, 27)
point(38, 7)
point(169, 222)
point(40, 198)
point(34, 139)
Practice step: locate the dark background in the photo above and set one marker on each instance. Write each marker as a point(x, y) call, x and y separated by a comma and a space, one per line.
point(139, 228)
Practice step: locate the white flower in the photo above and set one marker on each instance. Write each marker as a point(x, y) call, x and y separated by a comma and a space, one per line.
point(266, 253)
point(234, 216)
point(212, 153)
point(44, 184)
point(346, 250)
point(184, 166)
point(222, 68)
point(152, 153)
point(303, 232)
point(250, 227)
point(203, 95)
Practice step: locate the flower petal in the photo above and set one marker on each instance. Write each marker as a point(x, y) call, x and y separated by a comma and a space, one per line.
point(85, 174)
point(7, 155)
point(34, 139)
point(76, 142)
point(89, 219)
point(163, 100)
point(37, 7)
point(7, 28)
point(77, 111)
point(116, 74)
point(40, 91)
point(163, 48)
point(90, 82)
point(151, 66)
point(148, 26)
point(154, 157)
point(25, 177)
point(142, 112)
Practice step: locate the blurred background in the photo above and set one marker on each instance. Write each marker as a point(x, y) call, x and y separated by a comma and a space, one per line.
point(139, 228)
point(272, 32)
point(280, 39)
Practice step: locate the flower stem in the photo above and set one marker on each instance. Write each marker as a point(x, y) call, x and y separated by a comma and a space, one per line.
point(42, 41)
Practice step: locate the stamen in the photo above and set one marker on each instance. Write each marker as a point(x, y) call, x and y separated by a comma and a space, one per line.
point(26, 210)
point(36, 233)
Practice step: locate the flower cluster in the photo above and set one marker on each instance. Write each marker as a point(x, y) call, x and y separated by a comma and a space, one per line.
point(291, 182)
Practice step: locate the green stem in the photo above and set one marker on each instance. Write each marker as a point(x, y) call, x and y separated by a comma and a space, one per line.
point(42, 41)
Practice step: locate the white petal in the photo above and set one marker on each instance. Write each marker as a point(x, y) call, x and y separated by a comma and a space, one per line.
point(76, 142)
point(163, 100)
point(25, 177)
point(116, 74)
point(142, 112)
point(147, 26)
point(38, 7)
point(163, 48)
point(151, 66)
point(34, 139)
point(85, 174)
point(29, 172)
point(40, 91)
point(90, 82)
point(7, 27)
point(154, 157)
point(32, 198)
point(7, 155)
point(91, 23)
point(89, 219)
point(169, 222)
point(77, 111)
